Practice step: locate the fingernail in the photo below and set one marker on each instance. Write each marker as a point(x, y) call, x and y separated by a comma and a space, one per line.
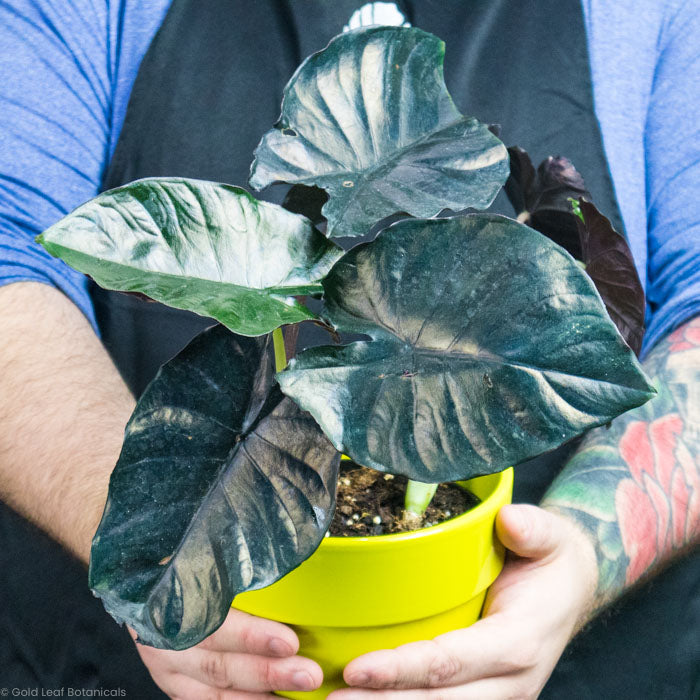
point(358, 679)
point(279, 648)
point(303, 681)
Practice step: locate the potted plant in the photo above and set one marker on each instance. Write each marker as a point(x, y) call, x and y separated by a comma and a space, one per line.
point(485, 343)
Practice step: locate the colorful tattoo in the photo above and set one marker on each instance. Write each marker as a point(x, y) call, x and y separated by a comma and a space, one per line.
point(635, 486)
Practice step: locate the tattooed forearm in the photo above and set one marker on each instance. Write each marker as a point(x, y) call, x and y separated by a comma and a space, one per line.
point(635, 486)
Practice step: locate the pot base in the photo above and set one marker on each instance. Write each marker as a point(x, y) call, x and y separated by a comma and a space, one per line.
point(334, 647)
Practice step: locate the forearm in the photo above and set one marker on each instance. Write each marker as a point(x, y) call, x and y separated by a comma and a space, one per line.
point(63, 408)
point(634, 487)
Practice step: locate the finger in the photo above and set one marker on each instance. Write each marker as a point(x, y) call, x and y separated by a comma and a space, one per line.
point(244, 633)
point(184, 688)
point(529, 531)
point(247, 634)
point(219, 669)
point(464, 655)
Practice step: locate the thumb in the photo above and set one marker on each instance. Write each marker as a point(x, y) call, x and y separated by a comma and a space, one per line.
point(529, 531)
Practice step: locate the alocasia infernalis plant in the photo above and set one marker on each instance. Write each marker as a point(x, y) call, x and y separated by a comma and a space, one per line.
point(486, 342)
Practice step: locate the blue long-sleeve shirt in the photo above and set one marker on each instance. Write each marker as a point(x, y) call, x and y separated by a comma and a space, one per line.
point(67, 68)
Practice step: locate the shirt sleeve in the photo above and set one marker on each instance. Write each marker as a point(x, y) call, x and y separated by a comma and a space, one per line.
point(672, 145)
point(66, 71)
point(55, 98)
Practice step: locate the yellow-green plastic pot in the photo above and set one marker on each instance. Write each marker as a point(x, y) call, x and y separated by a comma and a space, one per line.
point(359, 594)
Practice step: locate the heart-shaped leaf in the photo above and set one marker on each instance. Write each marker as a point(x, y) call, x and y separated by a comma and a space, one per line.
point(205, 247)
point(222, 486)
point(497, 351)
point(369, 120)
point(609, 263)
point(541, 198)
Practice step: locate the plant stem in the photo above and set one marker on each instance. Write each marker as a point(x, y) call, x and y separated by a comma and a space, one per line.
point(417, 499)
point(280, 353)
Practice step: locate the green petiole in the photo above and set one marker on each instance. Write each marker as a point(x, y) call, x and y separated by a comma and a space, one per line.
point(416, 501)
point(280, 353)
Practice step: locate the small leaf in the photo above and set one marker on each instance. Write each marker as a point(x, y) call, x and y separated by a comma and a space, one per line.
point(372, 123)
point(552, 201)
point(609, 263)
point(497, 351)
point(208, 248)
point(223, 486)
point(541, 198)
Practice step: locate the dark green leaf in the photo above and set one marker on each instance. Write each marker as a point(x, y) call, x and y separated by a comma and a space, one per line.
point(541, 198)
point(222, 486)
point(208, 248)
point(609, 263)
point(496, 351)
point(369, 120)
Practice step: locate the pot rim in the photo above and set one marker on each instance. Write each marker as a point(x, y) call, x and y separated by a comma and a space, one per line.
point(504, 480)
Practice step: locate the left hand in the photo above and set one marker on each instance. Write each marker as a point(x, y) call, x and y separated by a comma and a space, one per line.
point(543, 596)
point(247, 658)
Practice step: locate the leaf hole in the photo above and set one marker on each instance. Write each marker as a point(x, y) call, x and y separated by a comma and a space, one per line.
point(289, 132)
point(348, 183)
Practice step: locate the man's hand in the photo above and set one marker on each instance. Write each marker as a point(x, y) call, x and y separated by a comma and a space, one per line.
point(245, 659)
point(541, 599)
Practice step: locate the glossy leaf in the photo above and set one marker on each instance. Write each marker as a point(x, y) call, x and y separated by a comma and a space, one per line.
point(223, 485)
point(497, 351)
point(369, 120)
point(208, 248)
point(609, 263)
point(541, 197)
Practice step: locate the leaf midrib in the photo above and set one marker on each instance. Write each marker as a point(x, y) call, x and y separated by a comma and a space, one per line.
point(484, 357)
point(310, 288)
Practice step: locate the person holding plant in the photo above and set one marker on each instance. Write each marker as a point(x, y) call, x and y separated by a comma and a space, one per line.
point(625, 503)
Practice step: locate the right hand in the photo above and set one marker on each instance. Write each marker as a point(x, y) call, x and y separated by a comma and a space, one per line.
point(245, 659)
